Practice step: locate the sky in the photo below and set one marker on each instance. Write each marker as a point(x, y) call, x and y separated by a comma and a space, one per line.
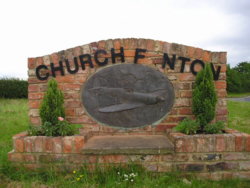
point(32, 28)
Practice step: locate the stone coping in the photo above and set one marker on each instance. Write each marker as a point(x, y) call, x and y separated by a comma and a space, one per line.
point(129, 144)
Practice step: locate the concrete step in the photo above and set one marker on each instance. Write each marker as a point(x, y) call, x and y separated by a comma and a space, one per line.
point(128, 144)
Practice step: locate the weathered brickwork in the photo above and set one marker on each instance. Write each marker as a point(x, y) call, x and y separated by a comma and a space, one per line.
point(207, 156)
point(71, 84)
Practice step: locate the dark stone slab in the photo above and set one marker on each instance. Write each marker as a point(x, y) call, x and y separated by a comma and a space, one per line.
point(223, 166)
point(131, 144)
point(128, 96)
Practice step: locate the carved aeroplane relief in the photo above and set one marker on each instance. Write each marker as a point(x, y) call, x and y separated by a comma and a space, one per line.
point(130, 100)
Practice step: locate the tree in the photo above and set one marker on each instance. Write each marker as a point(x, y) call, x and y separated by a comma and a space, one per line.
point(204, 97)
point(52, 105)
point(243, 69)
point(233, 80)
point(238, 78)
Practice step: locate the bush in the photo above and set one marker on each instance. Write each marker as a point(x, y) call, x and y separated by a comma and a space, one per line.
point(52, 114)
point(52, 105)
point(188, 126)
point(204, 97)
point(214, 128)
point(62, 128)
point(13, 88)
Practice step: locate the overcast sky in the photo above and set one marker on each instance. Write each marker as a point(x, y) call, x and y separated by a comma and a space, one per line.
point(31, 28)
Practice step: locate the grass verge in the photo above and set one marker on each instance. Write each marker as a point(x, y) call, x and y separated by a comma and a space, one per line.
point(13, 119)
point(239, 116)
point(114, 177)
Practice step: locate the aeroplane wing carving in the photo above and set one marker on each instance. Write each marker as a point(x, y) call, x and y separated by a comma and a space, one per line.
point(130, 100)
point(120, 107)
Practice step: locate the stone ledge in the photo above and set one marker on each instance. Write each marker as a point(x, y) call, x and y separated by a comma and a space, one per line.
point(129, 144)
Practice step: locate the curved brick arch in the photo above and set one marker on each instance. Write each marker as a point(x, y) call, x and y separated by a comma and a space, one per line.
point(180, 75)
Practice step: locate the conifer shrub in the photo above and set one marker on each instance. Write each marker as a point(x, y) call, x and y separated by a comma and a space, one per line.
point(204, 97)
point(203, 106)
point(52, 114)
point(52, 105)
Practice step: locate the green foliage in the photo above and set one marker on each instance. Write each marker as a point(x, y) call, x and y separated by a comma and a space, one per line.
point(214, 128)
point(52, 114)
point(204, 97)
point(62, 128)
point(13, 88)
point(188, 126)
point(238, 78)
point(35, 130)
point(66, 129)
point(52, 105)
point(233, 80)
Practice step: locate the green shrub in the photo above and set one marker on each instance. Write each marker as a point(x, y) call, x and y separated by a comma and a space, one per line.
point(188, 126)
point(52, 105)
point(62, 128)
point(52, 114)
point(13, 88)
point(66, 129)
point(35, 131)
point(204, 97)
point(214, 128)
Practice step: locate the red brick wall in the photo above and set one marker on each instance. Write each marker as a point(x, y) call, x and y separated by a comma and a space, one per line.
point(71, 84)
point(212, 156)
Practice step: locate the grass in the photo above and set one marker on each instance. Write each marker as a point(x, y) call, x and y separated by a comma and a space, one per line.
point(239, 116)
point(115, 177)
point(14, 119)
point(238, 95)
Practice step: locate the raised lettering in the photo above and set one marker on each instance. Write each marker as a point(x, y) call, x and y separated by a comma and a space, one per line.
point(138, 55)
point(38, 72)
point(105, 62)
point(114, 55)
point(59, 68)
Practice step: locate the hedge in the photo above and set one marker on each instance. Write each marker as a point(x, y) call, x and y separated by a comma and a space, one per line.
point(13, 88)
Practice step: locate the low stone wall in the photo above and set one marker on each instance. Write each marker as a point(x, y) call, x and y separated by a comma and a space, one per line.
point(207, 156)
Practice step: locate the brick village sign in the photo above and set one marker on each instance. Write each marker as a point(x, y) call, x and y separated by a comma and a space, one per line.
point(126, 83)
point(125, 95)
point(141, 89)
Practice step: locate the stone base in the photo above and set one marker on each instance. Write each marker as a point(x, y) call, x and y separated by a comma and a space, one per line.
point(129, 144)
point(206, 156)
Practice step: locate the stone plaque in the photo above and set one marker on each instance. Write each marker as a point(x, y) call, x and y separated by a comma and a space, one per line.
point(128, 96)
